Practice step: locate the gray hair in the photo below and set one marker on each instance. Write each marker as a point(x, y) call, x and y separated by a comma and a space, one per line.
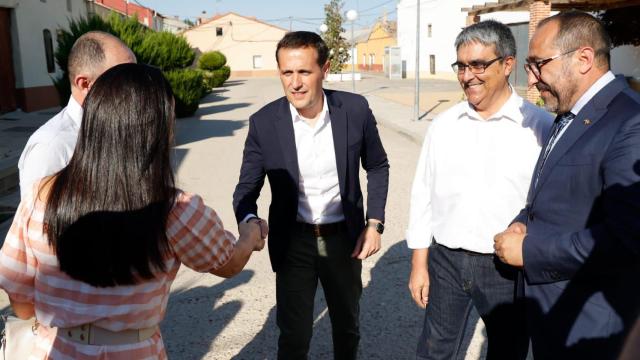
point(487, 33)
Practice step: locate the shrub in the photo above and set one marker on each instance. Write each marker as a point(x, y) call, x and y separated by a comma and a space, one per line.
point(129, 30)
point(212, 60)
point(215, 78)
point(166, 51)
point(188, 88)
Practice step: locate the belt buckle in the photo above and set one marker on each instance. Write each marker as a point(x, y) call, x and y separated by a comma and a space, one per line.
point(316, 230)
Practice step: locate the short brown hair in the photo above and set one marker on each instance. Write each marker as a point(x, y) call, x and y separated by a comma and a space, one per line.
point(576, 29)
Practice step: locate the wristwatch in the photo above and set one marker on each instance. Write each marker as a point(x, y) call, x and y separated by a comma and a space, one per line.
point(378, 226)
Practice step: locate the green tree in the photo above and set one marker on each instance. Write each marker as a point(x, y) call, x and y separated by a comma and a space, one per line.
point(338, 47)
point(166, 51)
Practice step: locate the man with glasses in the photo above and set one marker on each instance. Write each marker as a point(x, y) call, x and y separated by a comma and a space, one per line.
point(578, 237)
point(473, 174)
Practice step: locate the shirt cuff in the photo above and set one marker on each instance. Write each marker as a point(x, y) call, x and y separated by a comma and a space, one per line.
point(248, 217)
point(417, 241)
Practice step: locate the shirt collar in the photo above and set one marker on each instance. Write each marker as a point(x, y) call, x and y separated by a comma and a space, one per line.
point(509, 110)
point(592, 91)
point(74, 111)
point(295, 115)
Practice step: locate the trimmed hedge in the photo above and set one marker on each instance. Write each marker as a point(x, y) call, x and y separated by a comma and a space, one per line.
point(212, 60)
point(166, 51)
point(188, 89)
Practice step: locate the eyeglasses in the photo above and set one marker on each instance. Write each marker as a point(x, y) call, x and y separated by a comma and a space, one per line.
point(536, 66)
point(476, 67)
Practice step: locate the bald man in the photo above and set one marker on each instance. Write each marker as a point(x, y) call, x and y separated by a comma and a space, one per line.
point(51, 146)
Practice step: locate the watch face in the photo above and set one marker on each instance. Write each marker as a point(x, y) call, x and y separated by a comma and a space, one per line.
point(380, 228)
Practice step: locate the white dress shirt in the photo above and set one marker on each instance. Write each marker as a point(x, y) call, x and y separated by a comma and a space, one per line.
point(319, 199)
point(50, 148)
point(473, 175)
point(584, 99)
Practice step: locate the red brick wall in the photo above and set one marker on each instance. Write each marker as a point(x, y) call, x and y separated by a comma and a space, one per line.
point(539, 9)
point(130, 9)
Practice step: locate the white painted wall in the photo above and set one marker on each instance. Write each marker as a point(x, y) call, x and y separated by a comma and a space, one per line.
point(626, 60)
point(447, 20)
point(28, 20)
point(242, 39)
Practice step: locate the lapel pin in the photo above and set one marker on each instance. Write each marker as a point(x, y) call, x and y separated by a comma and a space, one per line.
point(586, 121)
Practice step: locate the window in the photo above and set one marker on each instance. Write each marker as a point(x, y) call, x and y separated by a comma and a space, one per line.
point(364, 59)
point(372, 59)
point(48, 50)
point(257, 61)
point(432, 64)
point(429, 30)
point(69, 5)
point(218, 31)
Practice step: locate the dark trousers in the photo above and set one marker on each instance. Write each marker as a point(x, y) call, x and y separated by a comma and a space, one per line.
point(458, 280)
point(327, 258)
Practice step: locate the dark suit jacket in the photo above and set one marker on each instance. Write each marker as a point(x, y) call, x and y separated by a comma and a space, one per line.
point(583, 232)
point(270, 150)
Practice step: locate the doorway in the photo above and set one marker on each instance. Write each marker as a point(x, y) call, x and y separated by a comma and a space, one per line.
point(7, 76)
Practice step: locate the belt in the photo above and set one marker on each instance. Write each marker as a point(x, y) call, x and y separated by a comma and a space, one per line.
point(460, 250)
point(93, 335)
point(319, 230)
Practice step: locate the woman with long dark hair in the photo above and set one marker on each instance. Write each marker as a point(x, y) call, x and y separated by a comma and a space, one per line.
point(93, 252)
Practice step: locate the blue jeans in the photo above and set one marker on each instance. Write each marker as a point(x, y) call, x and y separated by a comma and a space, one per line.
point(459, 279)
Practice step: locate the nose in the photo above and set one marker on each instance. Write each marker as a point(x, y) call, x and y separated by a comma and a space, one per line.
point(466, 74)
point(296, 81)
point(532, 80)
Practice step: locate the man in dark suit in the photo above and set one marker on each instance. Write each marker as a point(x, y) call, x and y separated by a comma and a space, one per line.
point(578, 238)
point(309, 144)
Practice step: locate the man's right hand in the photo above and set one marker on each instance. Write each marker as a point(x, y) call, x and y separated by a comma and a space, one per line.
point(264, 226)
point(251, 230)
point(419, 278)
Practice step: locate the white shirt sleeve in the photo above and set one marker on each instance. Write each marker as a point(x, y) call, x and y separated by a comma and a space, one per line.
point(39, 160)
point(419, 231)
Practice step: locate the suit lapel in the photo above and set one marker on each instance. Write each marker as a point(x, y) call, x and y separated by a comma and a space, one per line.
point(339, 130)
point(590, 114)
point(287, 139)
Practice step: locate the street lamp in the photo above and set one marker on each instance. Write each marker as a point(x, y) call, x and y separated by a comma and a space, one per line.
point(323, 28)
point(352, 15)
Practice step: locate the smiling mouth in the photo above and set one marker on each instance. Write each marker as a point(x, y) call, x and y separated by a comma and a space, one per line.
point(467, 86)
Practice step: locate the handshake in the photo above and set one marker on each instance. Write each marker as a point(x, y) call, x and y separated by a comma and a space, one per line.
point(255, 229)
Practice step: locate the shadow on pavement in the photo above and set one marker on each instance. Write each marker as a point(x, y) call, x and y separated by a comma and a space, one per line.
point(389, 321)
point(192, 130)
point(213, 108)
point(193, 320)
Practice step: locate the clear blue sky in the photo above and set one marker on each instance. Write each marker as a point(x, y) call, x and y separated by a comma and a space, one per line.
point(305, 14)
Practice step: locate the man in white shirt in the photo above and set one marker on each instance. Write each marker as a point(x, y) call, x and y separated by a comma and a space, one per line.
point(51, 146)
point(473, 173)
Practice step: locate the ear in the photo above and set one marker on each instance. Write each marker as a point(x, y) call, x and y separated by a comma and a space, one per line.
point(325, 69)
point(509, 65)
point(585, 57)
point(82, 83)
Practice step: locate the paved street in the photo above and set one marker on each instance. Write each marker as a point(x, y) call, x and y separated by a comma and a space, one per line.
point(214, 318)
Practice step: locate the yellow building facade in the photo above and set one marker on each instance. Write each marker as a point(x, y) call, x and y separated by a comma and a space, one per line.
point(370, 53)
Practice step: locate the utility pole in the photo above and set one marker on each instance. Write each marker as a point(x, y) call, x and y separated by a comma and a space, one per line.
point(416, 102)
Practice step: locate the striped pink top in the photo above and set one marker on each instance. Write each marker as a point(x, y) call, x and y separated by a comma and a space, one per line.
point(29, 272)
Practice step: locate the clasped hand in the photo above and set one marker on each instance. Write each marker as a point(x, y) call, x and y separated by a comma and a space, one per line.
point(508, 244)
